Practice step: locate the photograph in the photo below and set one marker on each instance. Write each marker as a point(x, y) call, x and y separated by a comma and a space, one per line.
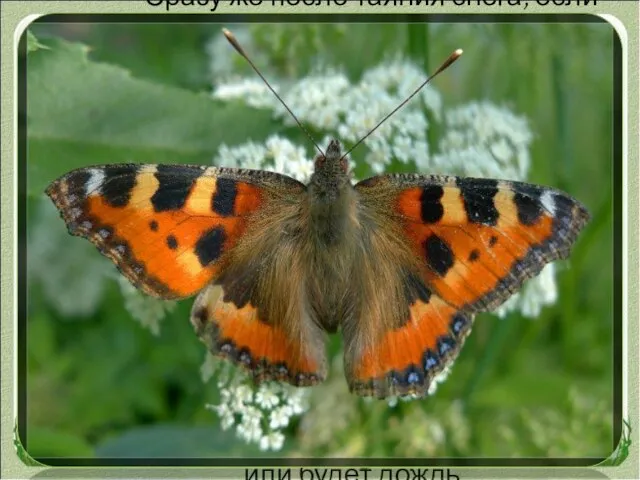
point(321, 237)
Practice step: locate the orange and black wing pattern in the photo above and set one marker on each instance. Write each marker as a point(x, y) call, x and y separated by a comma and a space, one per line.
point(234, 328)
point(174, 231)
point(474, 242)
point(480, 239)
point(166, 227)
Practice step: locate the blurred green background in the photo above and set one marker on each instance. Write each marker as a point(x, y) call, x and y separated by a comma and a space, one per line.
point(100, 384)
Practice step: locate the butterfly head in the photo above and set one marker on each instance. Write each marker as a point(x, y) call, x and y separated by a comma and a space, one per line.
point(331, 173)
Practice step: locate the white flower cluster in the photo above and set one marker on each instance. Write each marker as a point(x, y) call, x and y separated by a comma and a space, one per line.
point(534, 295)
point(329, 102)
point(259, 415)
point(278, 154)
point(483, 140)
point(149, 311)
point(253, 91)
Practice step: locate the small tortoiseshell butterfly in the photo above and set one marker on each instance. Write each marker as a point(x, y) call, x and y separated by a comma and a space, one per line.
point(399, 263)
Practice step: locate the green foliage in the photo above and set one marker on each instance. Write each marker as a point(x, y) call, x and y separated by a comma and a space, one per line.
point(175, 441)
point(83, 112)
point(100, 384)
point(32, 42)
point(621, 453)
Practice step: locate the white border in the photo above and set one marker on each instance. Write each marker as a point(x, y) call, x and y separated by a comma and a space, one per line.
point(17, 34)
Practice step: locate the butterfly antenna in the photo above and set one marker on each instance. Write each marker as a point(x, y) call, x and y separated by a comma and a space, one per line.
point(446, 64)
point(234, 42)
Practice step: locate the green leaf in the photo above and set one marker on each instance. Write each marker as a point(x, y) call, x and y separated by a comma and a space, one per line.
point(82, 113)
point(23, 455)
point(32, 43)
point(621, 452)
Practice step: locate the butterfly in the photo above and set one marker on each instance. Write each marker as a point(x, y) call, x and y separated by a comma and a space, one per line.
point(398, 263)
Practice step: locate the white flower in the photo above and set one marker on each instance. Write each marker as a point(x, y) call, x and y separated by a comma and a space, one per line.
point(244, 394)
point(504, 139)
point(280, 417)
point(288, 158)
point(278, 154)
point(267, 396)
point(147, 310)
point(402, 148)
point(253, 91)
point(296, 402)
point(273, 441)
point(258, 414)
point(535, 294)
point(250, 428)
point(225, 413)
point(248, 155)
point(420, 153)
point(439, 378)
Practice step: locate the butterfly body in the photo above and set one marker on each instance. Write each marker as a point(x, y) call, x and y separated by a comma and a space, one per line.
point(398, 264)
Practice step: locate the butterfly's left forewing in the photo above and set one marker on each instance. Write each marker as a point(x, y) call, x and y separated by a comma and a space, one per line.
point(166, 227)
point(473, 243)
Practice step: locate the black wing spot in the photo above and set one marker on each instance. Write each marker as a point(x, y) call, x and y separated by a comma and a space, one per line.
point(474, 255)
point(224, 199)
point(438, 254)
point(527, 200)
point(153, 225)
point(210, 245)
point(172, 242)
point(431, 209)
point(117, 184)
point(174, 184)
point(477, 196)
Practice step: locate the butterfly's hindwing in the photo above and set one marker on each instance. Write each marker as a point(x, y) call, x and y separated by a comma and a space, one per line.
point(238, 331)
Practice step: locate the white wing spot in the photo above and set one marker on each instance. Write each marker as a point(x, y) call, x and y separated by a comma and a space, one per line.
point(95, 181)
point(548, 201)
